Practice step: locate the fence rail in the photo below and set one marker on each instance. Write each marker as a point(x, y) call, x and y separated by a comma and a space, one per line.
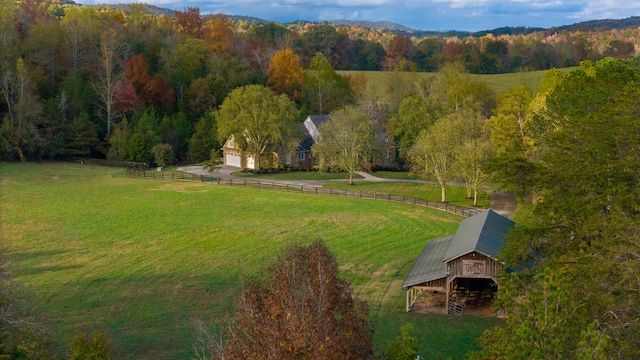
point(113, 163)
point(159, 175)
point(163, 175)
point(454, 209)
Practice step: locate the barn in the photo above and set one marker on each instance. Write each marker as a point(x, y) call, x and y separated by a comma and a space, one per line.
point(463, 266)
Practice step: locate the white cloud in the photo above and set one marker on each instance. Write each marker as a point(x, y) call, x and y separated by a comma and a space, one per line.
point(364, 3)
point(419, 14)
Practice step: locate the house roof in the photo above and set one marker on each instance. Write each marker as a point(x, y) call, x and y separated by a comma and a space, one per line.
point(384, 138)
point(483, 233)
point(319, 119)
point(429, 265)
point(306, 141)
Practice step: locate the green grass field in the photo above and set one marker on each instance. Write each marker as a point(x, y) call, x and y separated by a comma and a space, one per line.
point(141, 258)
point(500, 83)
point(456, 195)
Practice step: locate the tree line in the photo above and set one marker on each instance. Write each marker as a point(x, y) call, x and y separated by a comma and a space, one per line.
point(97, 81)
point(570, 152)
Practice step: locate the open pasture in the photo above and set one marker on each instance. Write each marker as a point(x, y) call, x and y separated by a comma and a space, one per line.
point(141, 258)
point(456, 195)
point(500, 83)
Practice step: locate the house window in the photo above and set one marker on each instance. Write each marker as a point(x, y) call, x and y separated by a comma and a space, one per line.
point(288, 159)
point(301, 156)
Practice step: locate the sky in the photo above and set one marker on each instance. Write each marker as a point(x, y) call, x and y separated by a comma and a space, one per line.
point(441, 15)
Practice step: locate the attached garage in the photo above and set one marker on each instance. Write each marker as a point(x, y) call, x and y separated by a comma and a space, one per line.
point(232, 159)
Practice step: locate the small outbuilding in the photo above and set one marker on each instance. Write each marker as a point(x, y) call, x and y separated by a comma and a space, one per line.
point(463, 266)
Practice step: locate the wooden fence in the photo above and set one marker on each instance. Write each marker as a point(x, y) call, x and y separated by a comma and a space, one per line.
point(454, 209)
point(114, 163)
point(163, 175)
point(159, 175)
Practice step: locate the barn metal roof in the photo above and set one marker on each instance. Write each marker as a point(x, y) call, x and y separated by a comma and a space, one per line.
point(429, 265)
point(483, 233)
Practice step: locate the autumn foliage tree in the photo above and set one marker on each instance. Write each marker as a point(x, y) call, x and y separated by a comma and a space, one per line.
point(285, 74)
point(301, 309)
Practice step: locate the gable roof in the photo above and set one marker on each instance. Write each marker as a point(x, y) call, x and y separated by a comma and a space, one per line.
point(429, 265)
point(304, 145)
point(318, 120)
point(483, 233)
point(312, 123)
point(384, 138)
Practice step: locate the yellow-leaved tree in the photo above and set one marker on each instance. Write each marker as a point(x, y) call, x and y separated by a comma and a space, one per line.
point(285, 74)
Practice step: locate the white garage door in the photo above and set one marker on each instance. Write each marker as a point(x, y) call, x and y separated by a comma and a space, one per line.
point(233, 160)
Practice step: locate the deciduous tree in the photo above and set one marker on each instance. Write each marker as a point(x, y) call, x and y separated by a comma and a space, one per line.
point(472, 153)
point(109, 70)
point(163, 154)
point(96, 347)
point(22, 333)
point(584, 226)
point(300, 309)
point(285, 75)
point(415, 113)
point(23, 111)
point(324, 89)
point(433, 153)
point(257, 119)
point(405, 346)
point(346, 141)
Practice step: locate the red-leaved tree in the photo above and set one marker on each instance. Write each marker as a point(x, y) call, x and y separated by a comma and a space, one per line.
point(301, 309)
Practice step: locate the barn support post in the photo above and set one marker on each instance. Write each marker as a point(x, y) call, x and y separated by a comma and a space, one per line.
point(446, 294)
point(408, 299)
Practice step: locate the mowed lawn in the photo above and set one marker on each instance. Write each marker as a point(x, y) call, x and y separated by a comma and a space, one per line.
point(456, 195)
point(141, 259)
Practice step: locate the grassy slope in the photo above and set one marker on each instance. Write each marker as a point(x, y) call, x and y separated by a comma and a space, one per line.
point(501, 83)
point(141, 258)
point(456, 195)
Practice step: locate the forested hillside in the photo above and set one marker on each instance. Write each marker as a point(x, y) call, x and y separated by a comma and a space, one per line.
point(571, 151)
point(103, 82)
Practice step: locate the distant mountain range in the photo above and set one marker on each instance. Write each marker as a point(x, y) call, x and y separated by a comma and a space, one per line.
point(605, 24)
